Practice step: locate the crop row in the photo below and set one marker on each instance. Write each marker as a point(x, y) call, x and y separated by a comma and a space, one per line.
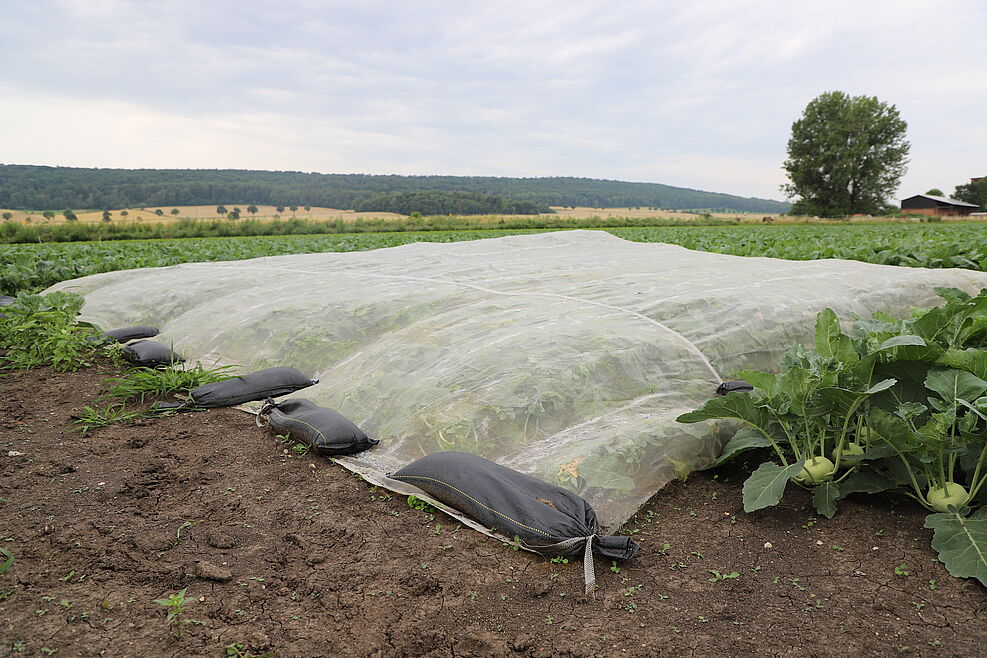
point(36, 266)
point(912, 245)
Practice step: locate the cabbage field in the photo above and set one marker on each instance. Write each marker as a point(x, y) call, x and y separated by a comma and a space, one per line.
point(37, 266)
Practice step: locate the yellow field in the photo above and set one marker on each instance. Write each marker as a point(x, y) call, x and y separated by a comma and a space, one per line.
point(269, 213)
point(148, 214)
point(642, 212)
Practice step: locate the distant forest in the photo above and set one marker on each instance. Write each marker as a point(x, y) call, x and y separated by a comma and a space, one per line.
point(29, 187)
point(448, 203)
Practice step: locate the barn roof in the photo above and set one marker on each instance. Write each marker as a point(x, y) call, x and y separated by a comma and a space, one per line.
point(942, 199)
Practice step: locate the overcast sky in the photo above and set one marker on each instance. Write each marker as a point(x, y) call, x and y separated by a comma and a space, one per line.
point(698, 95)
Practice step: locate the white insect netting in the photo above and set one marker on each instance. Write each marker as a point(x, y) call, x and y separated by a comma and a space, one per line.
point(564, 355)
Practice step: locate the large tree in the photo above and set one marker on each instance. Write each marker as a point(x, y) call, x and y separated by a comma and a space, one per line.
point(974, 192)
point(846, 156)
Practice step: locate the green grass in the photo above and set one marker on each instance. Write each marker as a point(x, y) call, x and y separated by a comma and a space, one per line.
point(140, 383)
point(37, 266)
point(93, 417)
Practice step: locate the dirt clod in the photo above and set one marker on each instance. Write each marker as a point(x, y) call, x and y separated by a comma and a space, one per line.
point(220, 539)
point(210, 571)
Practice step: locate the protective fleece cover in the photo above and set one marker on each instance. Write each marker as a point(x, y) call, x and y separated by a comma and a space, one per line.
point(564, 355)
point(327, 431)
point(539, 514)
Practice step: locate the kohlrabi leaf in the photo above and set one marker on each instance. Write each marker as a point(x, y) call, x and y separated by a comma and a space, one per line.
point(952, 295)
point(737, 405)
point(926, 353)
point(765, 381)
point(910, 387)
point(974, 323)
point(971, 360)
point(970, 454)
point(892, 354)
point(933, 326)
point(870, 482)
point(936, 432)
point(895, 470)
point(744, 440)
point(898, 341)
point(824, 497)
point(877, 451)
point(830, 341)
point(796, 356)
point(909, 410)
point(800, 389)
point(961, 543)
point(891, 429)
point(952, 384)
point(847, 402)
point(766, 485)
point(882, 385)
point(978, 407)
point(954, 324)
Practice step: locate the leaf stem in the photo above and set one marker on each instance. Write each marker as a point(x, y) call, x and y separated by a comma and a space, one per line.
point(911, 475)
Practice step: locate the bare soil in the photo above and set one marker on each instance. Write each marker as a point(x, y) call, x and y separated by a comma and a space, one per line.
point(290, 555)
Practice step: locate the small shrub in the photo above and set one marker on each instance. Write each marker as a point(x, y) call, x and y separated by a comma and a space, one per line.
point(39, 330)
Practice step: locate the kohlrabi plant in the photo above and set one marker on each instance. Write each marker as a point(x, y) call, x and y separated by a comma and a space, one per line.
point(37, 330)
point(896, 406)
point(941, 443)
point(811, 415)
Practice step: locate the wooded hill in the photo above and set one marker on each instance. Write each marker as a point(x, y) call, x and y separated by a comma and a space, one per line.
point(55, 188)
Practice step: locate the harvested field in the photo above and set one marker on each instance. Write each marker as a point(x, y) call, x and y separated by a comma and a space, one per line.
point(148, 214)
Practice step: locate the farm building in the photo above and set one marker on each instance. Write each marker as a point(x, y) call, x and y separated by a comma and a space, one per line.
point(925, 204)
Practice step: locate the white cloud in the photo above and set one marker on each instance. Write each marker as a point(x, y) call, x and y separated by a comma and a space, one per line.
point(700, 95)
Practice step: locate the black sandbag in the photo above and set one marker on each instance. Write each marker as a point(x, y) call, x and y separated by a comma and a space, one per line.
point(547, 518)
point(124, 335)
point(326, 431)
point(269, 383)
point(132, 333)
point(151, 354)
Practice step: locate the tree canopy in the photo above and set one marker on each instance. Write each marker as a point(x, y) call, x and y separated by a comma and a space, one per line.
point(973, 192)
point(39, 188)
point(846, 156)
point(445, 203)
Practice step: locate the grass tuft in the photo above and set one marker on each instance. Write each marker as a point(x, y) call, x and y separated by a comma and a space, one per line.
point(141, 383)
